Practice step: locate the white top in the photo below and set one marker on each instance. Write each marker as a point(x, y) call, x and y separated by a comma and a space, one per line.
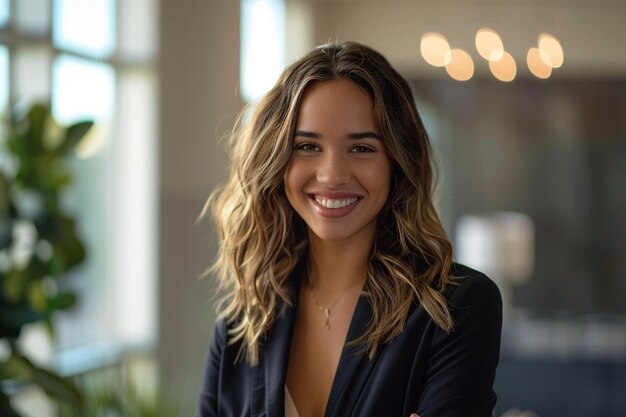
point(290, 406)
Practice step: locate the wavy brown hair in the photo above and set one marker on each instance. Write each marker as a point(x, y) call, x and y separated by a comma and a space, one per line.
point(262, 238)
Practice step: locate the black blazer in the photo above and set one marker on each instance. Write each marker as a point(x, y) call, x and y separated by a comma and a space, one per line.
point(423, 370)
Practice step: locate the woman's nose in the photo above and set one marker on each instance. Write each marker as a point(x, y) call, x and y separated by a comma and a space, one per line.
point(334, 170)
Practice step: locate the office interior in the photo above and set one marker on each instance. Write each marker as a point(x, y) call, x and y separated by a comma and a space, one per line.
point(532, 189)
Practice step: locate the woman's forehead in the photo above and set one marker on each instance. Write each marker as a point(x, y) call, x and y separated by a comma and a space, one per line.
point(337, 103)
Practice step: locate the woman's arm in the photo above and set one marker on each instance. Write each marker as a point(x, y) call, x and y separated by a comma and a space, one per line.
point(207, 405)
point(462, 364)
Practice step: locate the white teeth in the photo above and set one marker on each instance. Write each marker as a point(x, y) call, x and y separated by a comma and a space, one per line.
point(333, 204)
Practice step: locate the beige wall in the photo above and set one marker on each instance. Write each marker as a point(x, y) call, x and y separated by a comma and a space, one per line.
point(199, 70)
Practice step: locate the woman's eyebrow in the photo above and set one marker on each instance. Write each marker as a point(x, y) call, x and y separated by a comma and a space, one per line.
point(357, 135)
point(364, 135)
point(307, 134)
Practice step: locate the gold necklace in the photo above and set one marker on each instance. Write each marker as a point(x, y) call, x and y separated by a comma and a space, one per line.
point(327, 310)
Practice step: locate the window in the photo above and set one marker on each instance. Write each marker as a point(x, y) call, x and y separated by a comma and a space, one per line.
point(96, 59)
point(262, 46)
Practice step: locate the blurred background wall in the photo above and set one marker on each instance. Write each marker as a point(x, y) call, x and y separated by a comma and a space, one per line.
point(533, 175)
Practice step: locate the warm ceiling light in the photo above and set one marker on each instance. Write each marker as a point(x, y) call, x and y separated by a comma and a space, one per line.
point(537, 64)
point(435, 49)
point(460, 65)
point(504, 69)
point(489, 44)
point(553, 50)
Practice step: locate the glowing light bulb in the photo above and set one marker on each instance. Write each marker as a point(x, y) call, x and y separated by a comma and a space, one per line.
point(489, 44)
point(537, 64)
point(553, 51)
point(460, 65)
point(504, 69)
point(435, 49)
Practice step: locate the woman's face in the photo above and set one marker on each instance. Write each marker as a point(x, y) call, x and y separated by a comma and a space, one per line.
point(338, 177)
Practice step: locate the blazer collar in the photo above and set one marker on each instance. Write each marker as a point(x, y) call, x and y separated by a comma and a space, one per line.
point(268, 387)
point(354, 365)
point(352, 371)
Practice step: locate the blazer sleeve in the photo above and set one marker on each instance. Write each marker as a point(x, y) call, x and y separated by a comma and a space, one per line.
point(462, 364)
point(207, 405)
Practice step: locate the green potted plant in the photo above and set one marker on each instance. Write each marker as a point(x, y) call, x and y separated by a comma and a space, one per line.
point(38, 246)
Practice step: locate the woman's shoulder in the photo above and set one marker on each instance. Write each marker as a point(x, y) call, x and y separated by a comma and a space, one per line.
point(469, 286)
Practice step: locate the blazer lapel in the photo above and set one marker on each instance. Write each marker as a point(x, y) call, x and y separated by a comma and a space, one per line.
point(354, 365)
point(268, 385)
point(276, 362)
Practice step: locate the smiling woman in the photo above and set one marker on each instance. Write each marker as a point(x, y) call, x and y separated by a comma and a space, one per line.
point(340, 296)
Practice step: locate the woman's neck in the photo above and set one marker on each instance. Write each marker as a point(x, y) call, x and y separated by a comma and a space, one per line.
point(335, 266)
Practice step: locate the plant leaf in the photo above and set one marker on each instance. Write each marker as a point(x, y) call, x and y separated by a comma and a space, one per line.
point(37, 296)
point(19, 367)
point(16, 367)
point(62, 301)
point(33, 136)
point(57, 386)
point(14, 285)
point(74, 135)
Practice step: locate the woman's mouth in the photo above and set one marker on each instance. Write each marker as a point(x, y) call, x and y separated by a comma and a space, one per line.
point(335, 206)
point(334, 203)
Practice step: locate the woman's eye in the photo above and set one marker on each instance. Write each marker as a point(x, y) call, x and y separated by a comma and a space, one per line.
point(362, 148)
point(306, 147)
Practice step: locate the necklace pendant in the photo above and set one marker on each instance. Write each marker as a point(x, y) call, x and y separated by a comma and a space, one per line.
point(327, 314)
